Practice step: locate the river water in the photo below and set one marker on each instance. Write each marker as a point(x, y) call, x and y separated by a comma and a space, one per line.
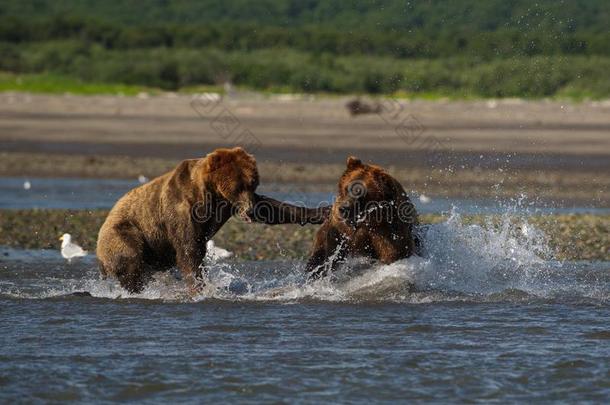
point(82, 193)
point(486, 315)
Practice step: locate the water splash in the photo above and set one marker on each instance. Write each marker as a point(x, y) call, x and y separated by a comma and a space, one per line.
point(485, 258)
point(505, 259)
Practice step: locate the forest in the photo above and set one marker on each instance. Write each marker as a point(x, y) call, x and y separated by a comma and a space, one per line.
point(426, 48)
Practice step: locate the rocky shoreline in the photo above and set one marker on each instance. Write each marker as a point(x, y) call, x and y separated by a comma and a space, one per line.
point(570, 237)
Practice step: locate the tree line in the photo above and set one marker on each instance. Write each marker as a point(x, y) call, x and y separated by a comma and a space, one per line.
point(506, 42)
point(492, 48)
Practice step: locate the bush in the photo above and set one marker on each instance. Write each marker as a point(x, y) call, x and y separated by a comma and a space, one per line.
point(171, 68)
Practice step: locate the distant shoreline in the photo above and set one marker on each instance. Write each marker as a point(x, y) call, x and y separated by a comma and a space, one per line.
point(473, 149)
point(570, 186)
point(51, 84)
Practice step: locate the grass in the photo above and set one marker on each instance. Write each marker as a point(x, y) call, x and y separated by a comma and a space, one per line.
point(57, 84)
point(50, 83)
point(201, 88)
point(572, 94)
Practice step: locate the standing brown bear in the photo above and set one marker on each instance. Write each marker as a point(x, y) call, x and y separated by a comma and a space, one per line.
point(168, 221)
point(371, 217)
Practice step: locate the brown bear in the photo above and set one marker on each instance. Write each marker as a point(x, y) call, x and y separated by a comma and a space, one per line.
point(371, 217)
point(168, 221)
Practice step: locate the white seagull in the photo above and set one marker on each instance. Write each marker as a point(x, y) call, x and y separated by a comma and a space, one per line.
point(215, 253)
point(27, 185)
point(70, 250)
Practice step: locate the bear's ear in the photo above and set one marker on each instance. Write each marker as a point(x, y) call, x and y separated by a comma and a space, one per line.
point(353, 162)
point(241, 152)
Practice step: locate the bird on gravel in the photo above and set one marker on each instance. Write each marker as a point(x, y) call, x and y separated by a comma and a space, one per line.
point(70, 250)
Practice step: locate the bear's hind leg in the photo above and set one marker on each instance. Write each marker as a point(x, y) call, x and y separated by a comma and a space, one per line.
point(120, 252)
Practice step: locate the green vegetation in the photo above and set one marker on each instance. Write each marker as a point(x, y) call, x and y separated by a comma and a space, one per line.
point(442, 47)
point(55, 84)
point(290, 70)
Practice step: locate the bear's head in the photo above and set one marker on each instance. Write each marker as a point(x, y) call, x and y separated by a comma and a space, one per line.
point(233, 176)
point(363, 188)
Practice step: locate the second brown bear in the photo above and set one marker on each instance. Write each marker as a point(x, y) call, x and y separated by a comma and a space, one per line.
point(371, 217)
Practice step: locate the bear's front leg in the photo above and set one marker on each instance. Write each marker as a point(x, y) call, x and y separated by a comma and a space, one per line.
point(190, 262)
point(329, 249)
point(190, 248)
point(273, 212)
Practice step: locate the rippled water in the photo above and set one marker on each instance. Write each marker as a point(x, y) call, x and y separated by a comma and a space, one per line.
point(486, 315)
point(103, 193)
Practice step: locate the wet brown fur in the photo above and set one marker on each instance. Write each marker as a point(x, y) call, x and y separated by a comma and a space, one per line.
point(159, 225)
point(381, 234)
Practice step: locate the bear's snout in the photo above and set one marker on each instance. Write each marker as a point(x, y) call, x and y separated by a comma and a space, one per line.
point(245, 207)
point(247, 215)
point(347, 213)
